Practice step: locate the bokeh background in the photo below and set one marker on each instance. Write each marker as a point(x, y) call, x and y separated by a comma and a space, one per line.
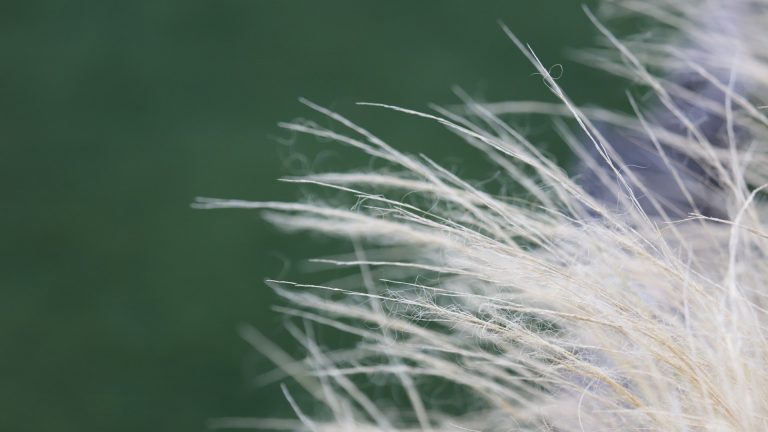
point(120, 303)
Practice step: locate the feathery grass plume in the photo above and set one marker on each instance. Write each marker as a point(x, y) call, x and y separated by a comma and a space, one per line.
point(631, 297)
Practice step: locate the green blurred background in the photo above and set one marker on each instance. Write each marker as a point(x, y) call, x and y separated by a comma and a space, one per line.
point(120, 303)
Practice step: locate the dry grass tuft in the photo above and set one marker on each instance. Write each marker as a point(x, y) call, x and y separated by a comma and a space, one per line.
point(631, 298)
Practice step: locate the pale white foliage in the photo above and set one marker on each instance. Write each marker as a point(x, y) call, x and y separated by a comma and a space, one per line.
point(558, 310)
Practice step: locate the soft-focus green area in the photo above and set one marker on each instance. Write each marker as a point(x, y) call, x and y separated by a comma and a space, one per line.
point(120, 303)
